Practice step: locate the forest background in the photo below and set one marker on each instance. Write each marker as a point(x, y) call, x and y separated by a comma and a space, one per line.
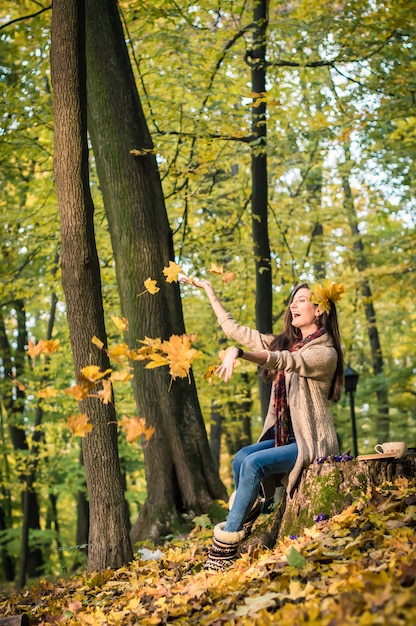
point(339, 111)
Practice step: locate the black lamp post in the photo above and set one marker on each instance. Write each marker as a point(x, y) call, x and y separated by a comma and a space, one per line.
point(350, 386)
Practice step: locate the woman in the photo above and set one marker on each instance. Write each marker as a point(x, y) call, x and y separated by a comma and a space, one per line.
point(305, 364)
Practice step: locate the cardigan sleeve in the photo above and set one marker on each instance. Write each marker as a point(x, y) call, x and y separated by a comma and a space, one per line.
point(313, 361)
point(248, 337)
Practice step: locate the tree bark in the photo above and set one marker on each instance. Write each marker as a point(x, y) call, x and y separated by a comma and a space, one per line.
point(109, 544)
point(180, 472)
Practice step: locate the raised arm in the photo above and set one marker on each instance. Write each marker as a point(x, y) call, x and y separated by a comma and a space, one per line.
point(245, 335)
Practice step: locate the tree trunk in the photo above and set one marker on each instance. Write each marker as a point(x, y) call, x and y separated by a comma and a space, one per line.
point(109, 544)
point(180, 472)
point(259, 194)
point(383, 423)
point(327, 489)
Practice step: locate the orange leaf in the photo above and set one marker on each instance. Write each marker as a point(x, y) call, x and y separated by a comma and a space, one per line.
point(47, 392)
point(106, 393)
point(216, 269)
point(19, 385)
point(32, 350)
point(79, 424)
point(135, 427)
point(227, 277)
point(79, 392)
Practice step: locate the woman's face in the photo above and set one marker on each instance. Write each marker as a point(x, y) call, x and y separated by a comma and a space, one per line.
point(304, 312)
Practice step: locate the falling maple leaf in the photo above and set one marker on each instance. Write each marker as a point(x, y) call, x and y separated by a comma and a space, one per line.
point(97, 342)
point(93, 373)
point(216, 269)
point(120, 322)
point(228, 277)
point(79, 424)
point(50, 346)
point(105, 394)
point(79, 392)
point(122, 377)
point(19, 385)
point(118, 352)
point(34, 350)
point(151, 287)
point(135, 427)
point(47, 392)
point(180, 354)
point(209, 374)
point(172, 272)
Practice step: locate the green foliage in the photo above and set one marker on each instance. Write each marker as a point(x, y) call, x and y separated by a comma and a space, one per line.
point(340, 104)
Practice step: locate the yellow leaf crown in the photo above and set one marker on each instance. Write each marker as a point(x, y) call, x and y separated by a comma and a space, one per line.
point(323, 295)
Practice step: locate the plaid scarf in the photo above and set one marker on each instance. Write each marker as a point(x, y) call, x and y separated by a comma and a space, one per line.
point(282, 426)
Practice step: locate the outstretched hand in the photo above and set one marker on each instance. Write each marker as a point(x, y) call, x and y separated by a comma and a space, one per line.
point(202, 283)
point(226, 368)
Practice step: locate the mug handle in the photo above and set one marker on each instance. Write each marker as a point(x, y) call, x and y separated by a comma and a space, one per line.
point(376, 448)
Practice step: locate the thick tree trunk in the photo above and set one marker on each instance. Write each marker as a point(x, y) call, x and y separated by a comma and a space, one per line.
point(180, 472)
point(327, 489)
point(109, 544)
point(259, 194)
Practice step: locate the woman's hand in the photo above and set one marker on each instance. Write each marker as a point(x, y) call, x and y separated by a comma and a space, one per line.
point(202, 283)
point(226, 368)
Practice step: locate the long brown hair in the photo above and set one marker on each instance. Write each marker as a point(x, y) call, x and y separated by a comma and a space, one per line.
point(291, 335)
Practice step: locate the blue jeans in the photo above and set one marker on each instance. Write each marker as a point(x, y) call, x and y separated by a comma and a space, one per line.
point(250, 465)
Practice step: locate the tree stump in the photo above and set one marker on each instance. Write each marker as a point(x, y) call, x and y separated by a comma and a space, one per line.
point(328, 489)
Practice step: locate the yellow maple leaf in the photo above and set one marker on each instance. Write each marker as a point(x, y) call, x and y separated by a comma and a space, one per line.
point(135, 427)
point(79, 392)
point(209, 374)
point(180, 354)
point(120, 322)
point(47, 392)
point(151, 286)
point(79, 424)
point(118, 351)
point(122, 377)
point(156, 360)
point(93, 373)
point(97, 342)
point(50, 346)
point(172, 272)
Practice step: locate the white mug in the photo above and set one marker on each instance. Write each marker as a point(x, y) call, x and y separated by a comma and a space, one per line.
point(398, 448)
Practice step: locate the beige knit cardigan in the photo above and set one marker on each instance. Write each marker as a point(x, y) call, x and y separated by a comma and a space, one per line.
point(308, 376)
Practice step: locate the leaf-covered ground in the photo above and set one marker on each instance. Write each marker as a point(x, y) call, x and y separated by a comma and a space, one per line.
point(357, 568)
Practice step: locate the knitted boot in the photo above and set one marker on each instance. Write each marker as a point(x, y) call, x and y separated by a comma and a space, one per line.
point(224, 548)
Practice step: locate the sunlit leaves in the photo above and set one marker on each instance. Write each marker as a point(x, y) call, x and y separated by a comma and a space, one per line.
point(374, 584)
